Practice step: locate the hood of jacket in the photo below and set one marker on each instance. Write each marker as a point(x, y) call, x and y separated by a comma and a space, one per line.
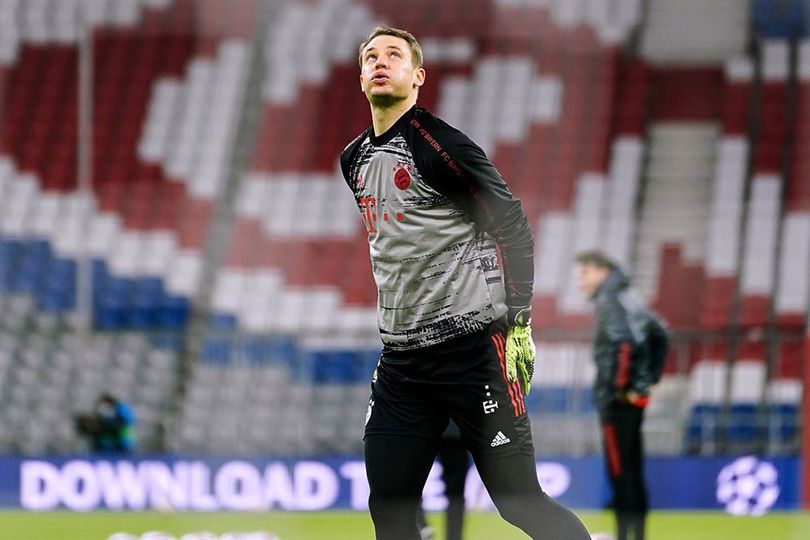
point(615, 282)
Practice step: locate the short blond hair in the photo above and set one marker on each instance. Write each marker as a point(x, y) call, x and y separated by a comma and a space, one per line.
point(416, 49)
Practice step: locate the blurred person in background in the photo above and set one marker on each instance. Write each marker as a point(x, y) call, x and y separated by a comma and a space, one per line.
point(456, 332)
point(109, 427)
point(630, 346)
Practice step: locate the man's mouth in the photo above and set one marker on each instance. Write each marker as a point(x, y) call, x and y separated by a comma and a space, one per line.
point(379, 78)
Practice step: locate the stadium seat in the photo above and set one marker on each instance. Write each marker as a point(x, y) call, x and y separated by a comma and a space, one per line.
point(707, 393)
point(783, 414)
point(786, 21)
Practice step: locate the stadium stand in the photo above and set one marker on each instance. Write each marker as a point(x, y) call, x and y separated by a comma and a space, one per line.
point(678, 157)
point(144, 256)
point(794, 259)
point(723, 236)
point(784, 390)
point(52, 374)
point(764, 204)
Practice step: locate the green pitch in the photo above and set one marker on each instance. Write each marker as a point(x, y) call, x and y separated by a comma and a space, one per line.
point(357, 526)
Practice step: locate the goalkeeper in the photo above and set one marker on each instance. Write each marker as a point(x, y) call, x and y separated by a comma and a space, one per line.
point(454, 323)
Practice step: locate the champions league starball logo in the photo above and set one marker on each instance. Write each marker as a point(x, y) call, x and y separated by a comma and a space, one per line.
point(748, 486)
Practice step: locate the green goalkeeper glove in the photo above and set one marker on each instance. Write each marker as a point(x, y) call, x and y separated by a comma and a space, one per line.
point(520, 354)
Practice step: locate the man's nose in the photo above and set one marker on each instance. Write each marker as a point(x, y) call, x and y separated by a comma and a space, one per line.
point(381, 62)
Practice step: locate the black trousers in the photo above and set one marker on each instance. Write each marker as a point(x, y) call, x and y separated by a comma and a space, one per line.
point(398, 467)
point(414, 395)
point(624, 459)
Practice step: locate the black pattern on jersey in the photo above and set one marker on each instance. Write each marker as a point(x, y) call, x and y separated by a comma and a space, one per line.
point(425, 202)
point(396, 147)
point(436, 332)
point(439, 270)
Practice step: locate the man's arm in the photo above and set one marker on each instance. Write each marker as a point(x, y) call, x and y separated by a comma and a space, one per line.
point(614, 319)
point(649, 362)
point(459, 169)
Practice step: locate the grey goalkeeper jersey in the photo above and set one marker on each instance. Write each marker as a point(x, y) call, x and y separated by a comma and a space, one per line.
point(437, 213)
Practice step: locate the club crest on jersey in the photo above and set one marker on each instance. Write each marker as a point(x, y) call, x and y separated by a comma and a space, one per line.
point(402, 175)
point(361, 182)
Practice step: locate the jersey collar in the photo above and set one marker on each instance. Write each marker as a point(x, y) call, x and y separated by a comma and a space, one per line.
point(386, 137)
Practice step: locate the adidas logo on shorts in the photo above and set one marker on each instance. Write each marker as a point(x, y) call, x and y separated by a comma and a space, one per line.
point(500, 439)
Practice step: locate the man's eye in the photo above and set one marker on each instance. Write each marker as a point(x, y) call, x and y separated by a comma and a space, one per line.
point(371, 57)
point(395, 54)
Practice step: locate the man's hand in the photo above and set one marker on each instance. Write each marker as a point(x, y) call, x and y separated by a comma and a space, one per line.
point(520, 354)
point(634, 398)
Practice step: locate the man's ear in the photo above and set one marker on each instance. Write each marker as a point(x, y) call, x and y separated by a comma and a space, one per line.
point(419, 78)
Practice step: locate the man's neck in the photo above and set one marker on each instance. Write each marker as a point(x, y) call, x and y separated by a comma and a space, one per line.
point(385, 116)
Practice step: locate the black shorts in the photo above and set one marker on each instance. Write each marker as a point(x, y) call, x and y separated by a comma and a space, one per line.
point(415, 393)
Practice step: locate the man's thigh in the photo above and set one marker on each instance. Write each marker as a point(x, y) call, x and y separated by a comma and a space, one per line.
point(402, 435)
point(489, 410)
point(398, 465)
point(399, 406)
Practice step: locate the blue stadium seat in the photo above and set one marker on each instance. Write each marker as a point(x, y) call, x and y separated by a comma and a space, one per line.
point(222, 321)
point(114, 302)
point(533, 400)
point(59, 287)
point(364, 365)
point(8, 256)
point(560, 400)
point(343, 366)
point(216, 350)
point(702, 426)
point(256, 350)
point(174, 313)
point(779, 18)
point(31, 266)
point(283, 350)
point(743, 428)
point(146, 300)
point(135, 303)
point(260, 350)
point(99, 273)
point(330, 366)
point(783, 424)
point(584, 400)
point(550, 400)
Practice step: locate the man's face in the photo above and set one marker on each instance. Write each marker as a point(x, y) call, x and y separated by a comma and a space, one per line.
point(388, 74)
point(590, 277)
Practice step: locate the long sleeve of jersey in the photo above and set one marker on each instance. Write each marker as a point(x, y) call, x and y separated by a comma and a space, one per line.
point(459, 169)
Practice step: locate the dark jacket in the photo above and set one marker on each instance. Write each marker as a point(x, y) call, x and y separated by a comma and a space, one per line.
point(621, 350)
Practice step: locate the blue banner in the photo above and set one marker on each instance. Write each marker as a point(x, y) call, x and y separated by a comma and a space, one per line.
point(740, 485)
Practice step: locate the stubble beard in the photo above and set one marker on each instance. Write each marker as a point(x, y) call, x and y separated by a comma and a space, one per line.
point(386, 101)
